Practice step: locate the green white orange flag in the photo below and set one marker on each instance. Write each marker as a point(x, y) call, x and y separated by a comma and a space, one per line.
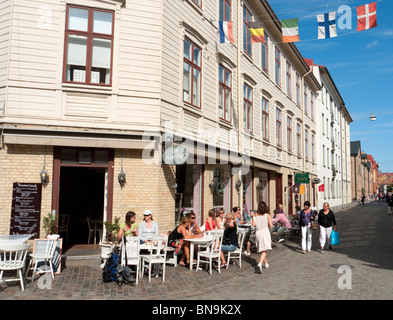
point(290, 30)
point(256, 32)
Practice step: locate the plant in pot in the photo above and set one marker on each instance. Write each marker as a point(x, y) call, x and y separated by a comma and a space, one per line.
point(111, 230)
point(50, 226)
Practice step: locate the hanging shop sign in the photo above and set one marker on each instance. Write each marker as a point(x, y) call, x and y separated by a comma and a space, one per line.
point(316, 180)
point(176, 155)
point(302, 178)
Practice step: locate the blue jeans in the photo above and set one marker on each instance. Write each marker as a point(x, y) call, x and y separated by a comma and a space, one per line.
point(226, 248)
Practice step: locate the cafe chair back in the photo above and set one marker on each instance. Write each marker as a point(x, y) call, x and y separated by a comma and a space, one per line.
point(212, 251)
point(130, 255)
point(157, 255)
point(44, 257)
point(13, 257)
point(237, 253)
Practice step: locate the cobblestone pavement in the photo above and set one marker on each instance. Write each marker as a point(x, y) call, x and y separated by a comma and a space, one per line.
point(366, 238)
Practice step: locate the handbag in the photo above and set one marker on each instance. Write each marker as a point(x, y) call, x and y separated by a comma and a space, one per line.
point(335, 238)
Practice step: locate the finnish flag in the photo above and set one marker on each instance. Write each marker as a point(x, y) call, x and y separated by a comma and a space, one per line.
point(327, 25)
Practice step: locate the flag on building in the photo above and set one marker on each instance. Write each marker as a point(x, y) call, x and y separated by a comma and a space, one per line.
point(327, 25)
point(301, 189)
point(367, 16)
point(226, 32)
point(290, 30)
point(321, 188)
point(256, 32)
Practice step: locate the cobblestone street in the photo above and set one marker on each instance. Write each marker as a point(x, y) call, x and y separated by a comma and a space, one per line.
point(366, 238)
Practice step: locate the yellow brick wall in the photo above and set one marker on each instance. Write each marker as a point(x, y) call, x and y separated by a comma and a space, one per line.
point(148, 186)
point(21, 163)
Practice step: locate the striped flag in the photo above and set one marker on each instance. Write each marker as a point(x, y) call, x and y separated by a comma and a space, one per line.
point(290, 30)
point(256, 31)
point(327, 25)
point(226, 32)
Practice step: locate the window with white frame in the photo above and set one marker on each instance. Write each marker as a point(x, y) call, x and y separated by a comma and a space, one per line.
point(297, 89)
point(192, 73)
point(298, 139)
point(305, 98)
point(88, 45)
point(247, 17)
point(306, 143)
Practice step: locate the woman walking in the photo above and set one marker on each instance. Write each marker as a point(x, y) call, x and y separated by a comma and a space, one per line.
point(326, 220)
point(262, 222)
point(306, 216)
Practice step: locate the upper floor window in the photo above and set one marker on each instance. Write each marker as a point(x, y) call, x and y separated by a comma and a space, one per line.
point(265, 54)
point(225, 10)
point(265, 118)
point(313, 148)
point(247, 107)
point(289, 134)
point(225, 93)
point(312, 105)
point(246, 31)
point(297, 89)
point(306, 143)
point(278, 66)
point(192, 72)
point(305, 98)
point(298, 139)
point(278, 127)
point(88, 45)
point(289, 82)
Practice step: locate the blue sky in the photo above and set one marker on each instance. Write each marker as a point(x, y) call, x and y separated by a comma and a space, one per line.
point(361, 64)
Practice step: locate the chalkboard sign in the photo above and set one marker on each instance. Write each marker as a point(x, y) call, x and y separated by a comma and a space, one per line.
point(40, 248)
point(26, 208)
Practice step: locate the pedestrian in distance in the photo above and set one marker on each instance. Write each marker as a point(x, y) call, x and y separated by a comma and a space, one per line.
point(262, 222)
point(327, 222)
point(389, 204)
point(363, 199)
point(306, 216)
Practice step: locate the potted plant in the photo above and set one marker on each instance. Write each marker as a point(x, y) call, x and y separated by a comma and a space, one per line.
point(50, 226)
point(111, 230)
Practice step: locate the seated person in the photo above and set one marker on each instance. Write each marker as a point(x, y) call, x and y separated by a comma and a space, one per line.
point(194, 228)
point(220, 220)
point(284, 223)
point(229, 240)
point(129, 227)
point(210, 221)
point(147, 228)
point(176, 239)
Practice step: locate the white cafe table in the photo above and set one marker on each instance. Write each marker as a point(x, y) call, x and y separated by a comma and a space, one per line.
point(14, 238)
point(204, 240)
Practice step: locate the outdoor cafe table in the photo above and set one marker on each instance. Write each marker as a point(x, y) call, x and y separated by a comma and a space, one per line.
point(14, 238)
point(204, 240)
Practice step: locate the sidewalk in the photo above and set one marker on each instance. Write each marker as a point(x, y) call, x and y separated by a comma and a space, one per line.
point(82, 279)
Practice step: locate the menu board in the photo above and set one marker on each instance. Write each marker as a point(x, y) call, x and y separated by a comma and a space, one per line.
point(26, 208)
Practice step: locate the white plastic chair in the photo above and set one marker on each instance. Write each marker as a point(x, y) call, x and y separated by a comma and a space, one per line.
point(13, 257)
point(92, 231)
point(64, 220)
point(45, 257)
point(213, 251)
point(132, 253)
point(237, 253)
point(157, 255)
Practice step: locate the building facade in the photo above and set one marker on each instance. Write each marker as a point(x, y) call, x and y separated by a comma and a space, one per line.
point(333, 131)
point(132, 106)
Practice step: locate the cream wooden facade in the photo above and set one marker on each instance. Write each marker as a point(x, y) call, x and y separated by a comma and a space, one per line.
point(37, 108)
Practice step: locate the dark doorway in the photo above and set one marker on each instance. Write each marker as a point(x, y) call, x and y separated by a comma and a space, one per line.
point(278, 189)
point(81, 195)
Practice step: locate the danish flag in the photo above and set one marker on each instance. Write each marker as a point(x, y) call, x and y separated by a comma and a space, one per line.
point(367, 16)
